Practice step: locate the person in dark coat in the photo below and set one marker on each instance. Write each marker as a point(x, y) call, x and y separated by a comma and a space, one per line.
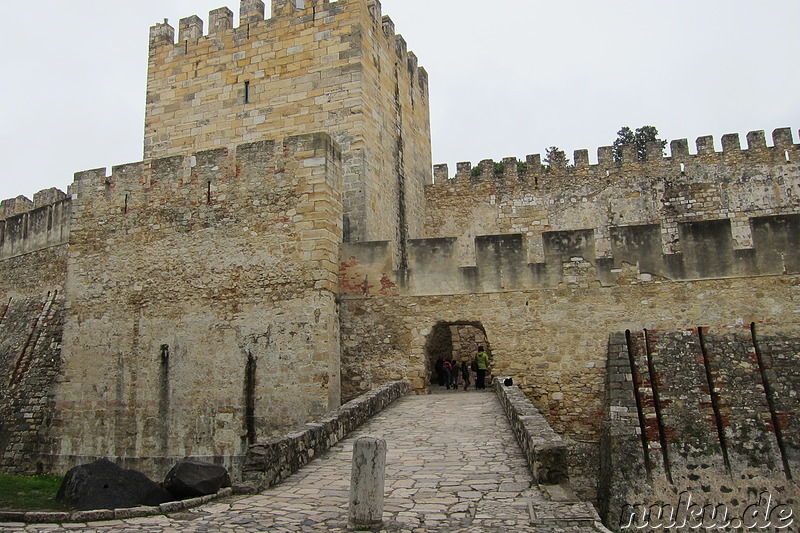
point(465, 374)
point(447, 371)
point(440, 370)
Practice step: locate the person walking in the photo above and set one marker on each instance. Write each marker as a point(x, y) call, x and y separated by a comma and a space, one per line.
point(440, 370)
point(454, 374)
point(447, 369)
point(465, 374)
point(482, 361)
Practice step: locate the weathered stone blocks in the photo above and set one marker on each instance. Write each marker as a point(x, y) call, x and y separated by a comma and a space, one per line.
point(544, 450)
point(269, 463)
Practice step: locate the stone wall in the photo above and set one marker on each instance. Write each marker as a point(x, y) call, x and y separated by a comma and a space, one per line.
point(201, 294)
point(710, 412)
point(551, 341)
point(31, 328)
point(501, 264)
point(544, 450)
point(30, 226)
point(336, 67)
point(270, 463)
point(660, 212)
point(466, 340)
point(203, 300)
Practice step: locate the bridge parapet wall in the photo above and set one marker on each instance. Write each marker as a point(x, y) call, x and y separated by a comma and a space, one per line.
point(543, 448)
point(270, 463)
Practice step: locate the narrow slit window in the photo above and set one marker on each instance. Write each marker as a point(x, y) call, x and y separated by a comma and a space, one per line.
point(247, 92)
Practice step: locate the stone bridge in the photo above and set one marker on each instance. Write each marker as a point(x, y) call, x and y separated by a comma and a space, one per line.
point(453, 464)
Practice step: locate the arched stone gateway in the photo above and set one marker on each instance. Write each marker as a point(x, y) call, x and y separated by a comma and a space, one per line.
point(453, 340)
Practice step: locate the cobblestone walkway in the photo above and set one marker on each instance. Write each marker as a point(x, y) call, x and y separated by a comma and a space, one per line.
point(452, 466)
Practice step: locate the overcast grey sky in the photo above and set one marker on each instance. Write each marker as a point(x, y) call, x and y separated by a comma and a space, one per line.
point(507, 78)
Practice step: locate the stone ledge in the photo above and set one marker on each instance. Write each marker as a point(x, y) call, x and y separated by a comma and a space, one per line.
point(99, 515)
point(270, 463)
point(543, 448)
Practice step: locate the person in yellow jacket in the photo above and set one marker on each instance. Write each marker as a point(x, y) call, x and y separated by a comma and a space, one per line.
point(482, 362)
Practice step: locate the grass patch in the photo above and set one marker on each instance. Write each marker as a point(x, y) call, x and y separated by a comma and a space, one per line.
point(37, 493)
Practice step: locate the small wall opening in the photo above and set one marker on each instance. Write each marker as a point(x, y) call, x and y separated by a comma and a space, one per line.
point(163, 406)
point(250, 398)
point(457, 341)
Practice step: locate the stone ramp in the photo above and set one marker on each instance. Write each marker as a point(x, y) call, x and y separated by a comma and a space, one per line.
point(452, 465)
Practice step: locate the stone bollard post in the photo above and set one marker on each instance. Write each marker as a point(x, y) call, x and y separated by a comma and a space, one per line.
point(366, 483)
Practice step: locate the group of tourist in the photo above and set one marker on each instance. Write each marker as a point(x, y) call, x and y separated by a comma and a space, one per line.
point(448, 371)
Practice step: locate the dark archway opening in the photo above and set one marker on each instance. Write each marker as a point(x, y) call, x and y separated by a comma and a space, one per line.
point(453, 340)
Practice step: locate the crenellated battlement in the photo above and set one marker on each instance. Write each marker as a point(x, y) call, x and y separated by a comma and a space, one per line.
point(221, 20)
point(268, 176)
point(222, 179)
point(681, 205)
point(531, 171)
point(12, 207)
point(28, 226)
point(298, 12)
point(401, 49)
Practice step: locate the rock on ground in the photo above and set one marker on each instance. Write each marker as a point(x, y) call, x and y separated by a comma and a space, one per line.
point(104, 485)
point(189, 479)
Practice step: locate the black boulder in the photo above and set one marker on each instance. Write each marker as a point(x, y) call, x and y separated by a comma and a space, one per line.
point(189, 479)
point(104, 485)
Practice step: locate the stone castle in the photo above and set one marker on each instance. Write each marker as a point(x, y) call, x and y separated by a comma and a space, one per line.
point(286, 244)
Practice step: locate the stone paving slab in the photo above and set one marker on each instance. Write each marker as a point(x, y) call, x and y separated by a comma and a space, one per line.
point(452, 466)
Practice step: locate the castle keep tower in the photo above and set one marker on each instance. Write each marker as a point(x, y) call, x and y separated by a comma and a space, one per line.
point(202, 282)
point(335, 67)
